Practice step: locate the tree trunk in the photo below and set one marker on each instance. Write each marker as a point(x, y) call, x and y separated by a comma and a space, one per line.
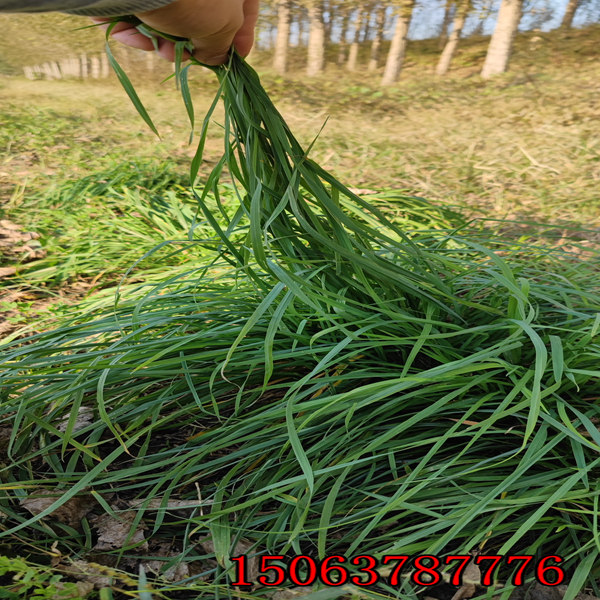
point(95, 67)
point(316, 38)
point(302, 27)
point(328, 8)
point(397, 51)
point(498, 53)
point(282, 42)
point(343, 38)
point(354, 47)
point(104, 65)
point(567, 21)
point(151, 61)
point(445, 24)
point(84, 65)
point(378, 39)
point(462, 10)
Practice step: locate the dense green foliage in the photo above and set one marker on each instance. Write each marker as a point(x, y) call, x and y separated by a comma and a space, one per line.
point(336, 376)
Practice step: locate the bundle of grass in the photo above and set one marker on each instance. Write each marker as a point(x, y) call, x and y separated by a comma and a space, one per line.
point(341, 377)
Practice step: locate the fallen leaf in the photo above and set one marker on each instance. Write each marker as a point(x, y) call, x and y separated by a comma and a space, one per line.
point(177, 572)
point(362, 191)
point(471, 579)
point(7, 271)
point(70, 513)
point(99, 576)
point(14, 242)
point(8, 225)
point(115, 533)
point(85, 416)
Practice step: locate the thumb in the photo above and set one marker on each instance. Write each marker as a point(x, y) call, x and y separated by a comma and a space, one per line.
point(213, 49)
point(211, 53)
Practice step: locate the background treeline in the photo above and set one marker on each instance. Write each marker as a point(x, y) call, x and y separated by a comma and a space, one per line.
point(338, 30)
point(309, 36)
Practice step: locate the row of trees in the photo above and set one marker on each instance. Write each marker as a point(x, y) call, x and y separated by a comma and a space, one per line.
point(354, 22)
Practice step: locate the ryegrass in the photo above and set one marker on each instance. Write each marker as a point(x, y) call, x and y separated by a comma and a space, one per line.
point(125, 224)
point(340, 376)
point(107, 218)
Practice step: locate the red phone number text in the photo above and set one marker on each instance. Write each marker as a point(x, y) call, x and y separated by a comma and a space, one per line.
point(425, 570)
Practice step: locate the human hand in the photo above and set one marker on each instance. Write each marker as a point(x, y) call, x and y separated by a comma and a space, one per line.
point(212, 26)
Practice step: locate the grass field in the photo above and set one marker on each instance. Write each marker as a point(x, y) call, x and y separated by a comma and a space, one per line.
point(89, 199)
point(522, 147)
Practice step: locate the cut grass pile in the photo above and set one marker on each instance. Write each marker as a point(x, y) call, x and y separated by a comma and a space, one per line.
point(339, 376)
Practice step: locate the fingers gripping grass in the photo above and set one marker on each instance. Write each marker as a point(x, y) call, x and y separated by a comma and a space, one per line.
point(339, 376)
